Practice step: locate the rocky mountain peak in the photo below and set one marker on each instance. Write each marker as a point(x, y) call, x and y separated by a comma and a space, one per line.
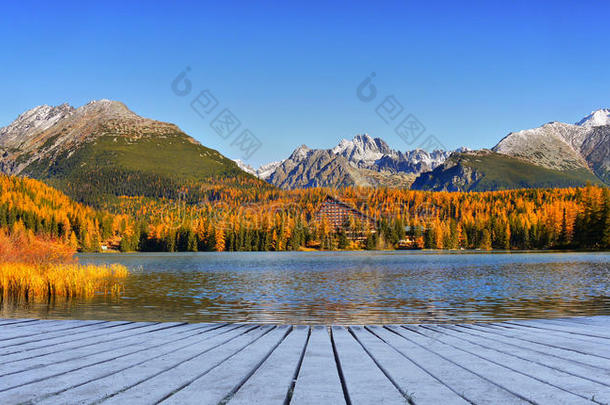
point(85, 150)
point(362, 148)
point(33, 121)
point(561, 146)
point(597, 118)
point(45, 133)
point(245, 167)
point(362, 160)
point(107, 109)
point(266, 170)
point(37, 120)
point(300, 153)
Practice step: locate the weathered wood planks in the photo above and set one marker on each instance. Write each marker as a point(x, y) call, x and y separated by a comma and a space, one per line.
point(554, 361)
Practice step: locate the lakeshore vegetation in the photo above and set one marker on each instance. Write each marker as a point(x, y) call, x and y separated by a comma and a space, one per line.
point(241, 216)
point(38, 267)
point(40, 231)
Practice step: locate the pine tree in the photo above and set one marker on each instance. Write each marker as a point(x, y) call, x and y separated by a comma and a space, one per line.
point(96, 243)
point(191, 244)
point(485, 243)
point(507, 236)
point(605, 241)
point(73, 242)
point(563, 234)
point(219, 238)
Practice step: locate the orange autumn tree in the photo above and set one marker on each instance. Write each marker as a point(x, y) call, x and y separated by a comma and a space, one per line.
point(247, 216)
point(49, 213)
point(271, 219)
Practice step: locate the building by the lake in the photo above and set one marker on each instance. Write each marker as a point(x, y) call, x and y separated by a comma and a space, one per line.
point(338, 214)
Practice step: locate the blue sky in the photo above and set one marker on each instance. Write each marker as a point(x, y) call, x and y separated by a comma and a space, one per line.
point(469, 71)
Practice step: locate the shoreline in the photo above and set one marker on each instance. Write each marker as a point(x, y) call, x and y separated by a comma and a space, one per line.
point(414, 251)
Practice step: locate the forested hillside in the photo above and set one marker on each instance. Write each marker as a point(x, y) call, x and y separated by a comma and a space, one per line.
point(260, 219)
point(27, 204)
point(246, 217)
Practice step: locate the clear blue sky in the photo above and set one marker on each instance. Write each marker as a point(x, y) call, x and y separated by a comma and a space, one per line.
point(470, 71)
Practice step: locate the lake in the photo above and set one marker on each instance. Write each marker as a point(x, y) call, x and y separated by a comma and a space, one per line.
point(343, 287)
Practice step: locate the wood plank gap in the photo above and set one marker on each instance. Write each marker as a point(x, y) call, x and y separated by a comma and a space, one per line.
point(16, 321)
point(89, 365)
point(38, 322)
point(456, 364)
point(94, 353)
point(213, 326)
point(545, 347)
point(234, 327)
point(567, 332)
point(367, 328)
point(54, 330)
point(348, 401)
point(231, 393)
point(500, 364)
point(571, 349)
point(405, 394)
point(512, 354)
point(297, 371)
point(67, 334)
point(215, 365)
point(596, 320)
point(137, 326)
point(458, 328)
point(124, 389)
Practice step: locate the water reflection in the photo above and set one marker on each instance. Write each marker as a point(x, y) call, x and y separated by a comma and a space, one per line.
point(344, 288)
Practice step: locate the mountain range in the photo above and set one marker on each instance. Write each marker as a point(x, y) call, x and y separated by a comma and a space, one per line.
point(361, 161)
point(103, 149)
point(553, 155)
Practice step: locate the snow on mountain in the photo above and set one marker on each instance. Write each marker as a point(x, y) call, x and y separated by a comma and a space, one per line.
point(597, 118)
point(362, 148)
point(362, 160)
point(245, 167)
point(561, 146)
point(263, 172)
point(582, 147)
point(266, 170)
point(300, 153)
point(32, 122)
point(548, 146)
point(84, 151)
point(366, 152)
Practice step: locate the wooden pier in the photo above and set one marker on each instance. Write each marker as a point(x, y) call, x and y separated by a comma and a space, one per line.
point(558, 361)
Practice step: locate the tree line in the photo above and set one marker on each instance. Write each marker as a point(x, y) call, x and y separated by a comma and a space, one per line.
point(572, 218)
point(230, 217)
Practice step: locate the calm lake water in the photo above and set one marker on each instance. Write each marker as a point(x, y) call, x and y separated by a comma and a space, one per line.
point(343, 288)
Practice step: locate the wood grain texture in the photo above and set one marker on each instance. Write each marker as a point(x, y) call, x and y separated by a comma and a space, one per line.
point(549, 361)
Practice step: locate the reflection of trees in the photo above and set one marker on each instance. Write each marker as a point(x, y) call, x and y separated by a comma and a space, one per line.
point(332, 289)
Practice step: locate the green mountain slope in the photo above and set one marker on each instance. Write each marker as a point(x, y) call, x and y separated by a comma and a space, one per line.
point(103, 150)
point(485, 171)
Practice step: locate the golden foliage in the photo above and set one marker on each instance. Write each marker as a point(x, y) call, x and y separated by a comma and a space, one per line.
point(29, 281)
point(34, 267)
point(23, 247)
point(511, 219)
